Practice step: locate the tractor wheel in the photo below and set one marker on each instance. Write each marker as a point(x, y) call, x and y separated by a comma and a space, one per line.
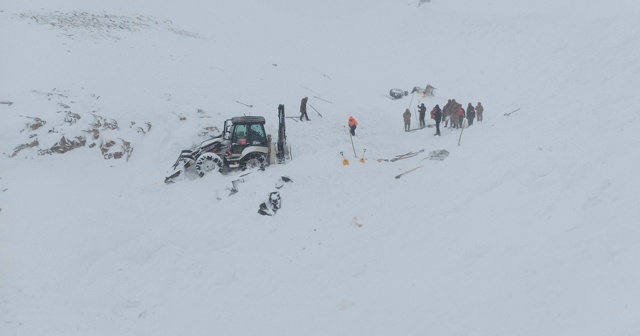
point(208, 162)
point(254, 160)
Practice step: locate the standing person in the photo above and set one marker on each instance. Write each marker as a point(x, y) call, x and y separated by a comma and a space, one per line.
point(446, 114)
point(454, 109)
point(423, 110)
point(303, 109)
point(407, 120)
point(471, 114)
point(353, 123)
point(479, 110)
point(436, 114)
point(460, 115)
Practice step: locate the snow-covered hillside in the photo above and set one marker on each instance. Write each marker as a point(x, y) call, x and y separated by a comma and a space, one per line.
point(528, 227)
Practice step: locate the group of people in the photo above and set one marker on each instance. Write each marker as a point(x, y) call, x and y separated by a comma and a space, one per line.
point(453, 115)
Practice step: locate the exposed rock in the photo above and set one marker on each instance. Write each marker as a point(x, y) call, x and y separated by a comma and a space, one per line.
point(103, 123)
point(71, 118)
point(37, 123)
point(35, 143)
point(64, 145)
point(111, 150)
point(105, 147)
point(142, 129)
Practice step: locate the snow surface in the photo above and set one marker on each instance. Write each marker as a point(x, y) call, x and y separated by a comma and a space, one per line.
point(529, 227)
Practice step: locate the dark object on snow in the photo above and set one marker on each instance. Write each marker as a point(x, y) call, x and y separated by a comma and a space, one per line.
point(428, 91)
point(397, 93)
point(303, 109)
point(247, 105)
point(316, 111)
point(408, 171)
point(282, 181)
point(272, 205)
point(507, 114)
point(438, 154)
point(282, 151)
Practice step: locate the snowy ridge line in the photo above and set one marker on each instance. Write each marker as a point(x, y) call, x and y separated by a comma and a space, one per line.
point(103, 24)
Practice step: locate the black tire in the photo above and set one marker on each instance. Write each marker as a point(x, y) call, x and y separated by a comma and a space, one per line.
point(208, 162)
point(254, 160)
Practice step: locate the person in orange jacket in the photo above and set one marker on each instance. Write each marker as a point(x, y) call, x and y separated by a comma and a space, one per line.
point(353, 123)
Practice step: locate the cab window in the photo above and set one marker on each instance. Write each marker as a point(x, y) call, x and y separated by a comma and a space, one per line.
point(256, 134)
point(240, 135)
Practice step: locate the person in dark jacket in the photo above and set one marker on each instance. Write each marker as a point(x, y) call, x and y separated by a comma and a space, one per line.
point(471, 114)
point(303, 109)
point(423, 111)
point(436, 114)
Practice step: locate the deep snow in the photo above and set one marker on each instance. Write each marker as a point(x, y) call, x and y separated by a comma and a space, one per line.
point(529, 227)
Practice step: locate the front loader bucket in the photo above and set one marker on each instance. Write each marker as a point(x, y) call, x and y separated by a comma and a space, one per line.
point(177, 171)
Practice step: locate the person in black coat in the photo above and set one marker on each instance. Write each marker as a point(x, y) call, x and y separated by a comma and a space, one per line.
point(423, 110)
point(303, 108)
point(436, 114)
point(471, 114)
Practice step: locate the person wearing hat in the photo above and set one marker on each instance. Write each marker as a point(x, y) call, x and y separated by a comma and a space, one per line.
point(423, 111)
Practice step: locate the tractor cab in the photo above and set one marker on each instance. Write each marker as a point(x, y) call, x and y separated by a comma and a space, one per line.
point(245, 134)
